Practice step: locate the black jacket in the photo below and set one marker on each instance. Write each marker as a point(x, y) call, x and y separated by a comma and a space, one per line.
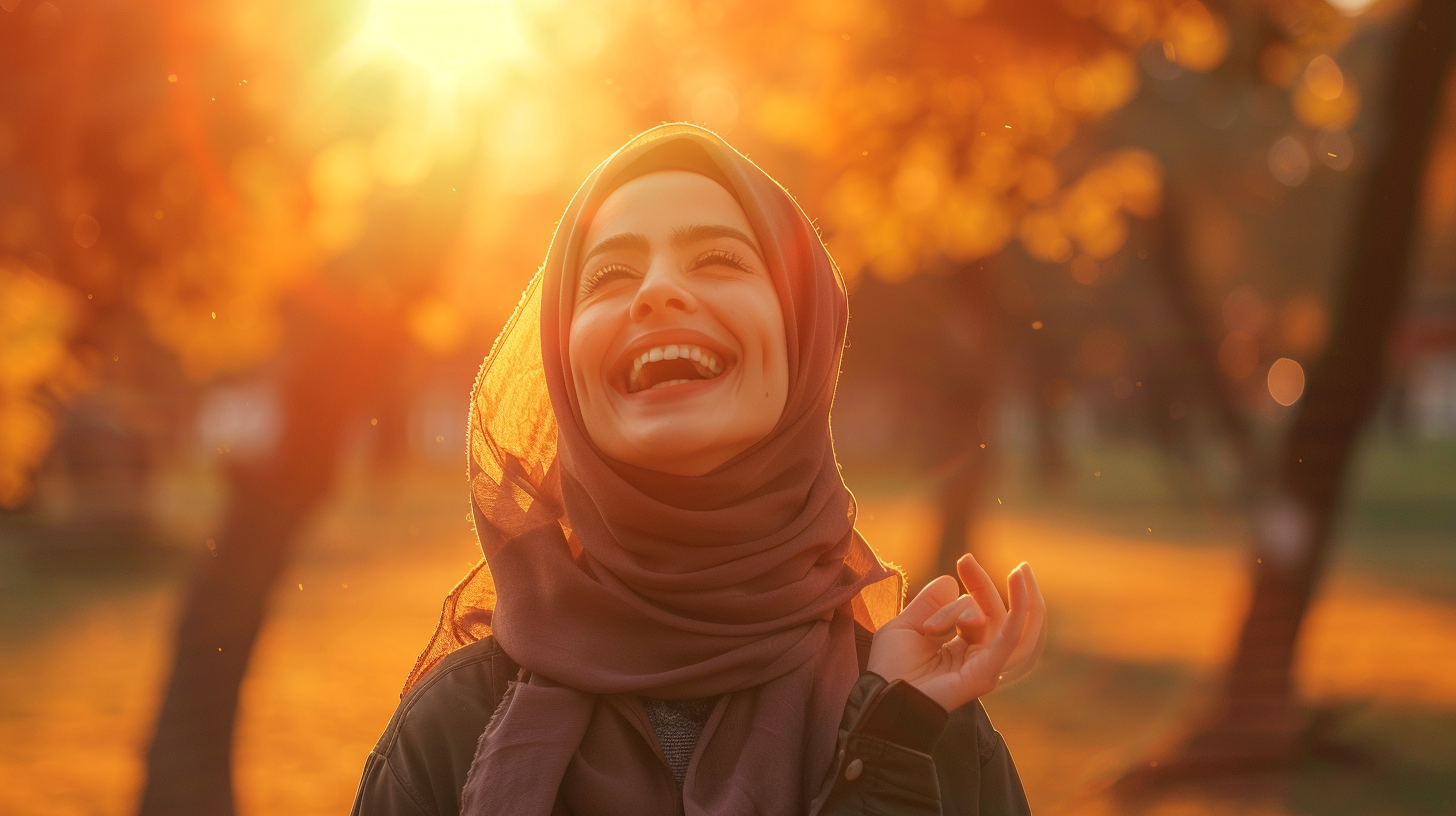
point(899, 752)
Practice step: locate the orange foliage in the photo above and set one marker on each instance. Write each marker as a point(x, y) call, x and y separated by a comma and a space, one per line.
point(414, 155)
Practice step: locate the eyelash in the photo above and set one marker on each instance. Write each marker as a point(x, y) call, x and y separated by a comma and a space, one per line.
point(728, 257)
point(601, 276)
point(610, 271)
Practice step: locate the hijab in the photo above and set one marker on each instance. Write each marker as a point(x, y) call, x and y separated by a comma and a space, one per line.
point(605, 581)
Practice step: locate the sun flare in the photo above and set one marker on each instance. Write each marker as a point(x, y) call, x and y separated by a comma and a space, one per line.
point(446, 35)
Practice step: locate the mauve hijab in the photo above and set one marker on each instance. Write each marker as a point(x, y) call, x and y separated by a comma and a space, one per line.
point(605, 581)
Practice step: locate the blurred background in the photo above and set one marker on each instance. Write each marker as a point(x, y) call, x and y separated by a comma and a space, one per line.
point(1159, 295)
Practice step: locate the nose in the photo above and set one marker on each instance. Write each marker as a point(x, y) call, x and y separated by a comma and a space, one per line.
point(662, 292)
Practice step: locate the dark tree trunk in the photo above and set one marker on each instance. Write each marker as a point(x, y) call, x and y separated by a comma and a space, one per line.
point(960, 506)
point(189, 768)
point(1257, 724)
point(963, 492)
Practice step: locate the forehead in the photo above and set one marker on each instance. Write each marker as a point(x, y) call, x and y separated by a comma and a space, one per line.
point(655, 204)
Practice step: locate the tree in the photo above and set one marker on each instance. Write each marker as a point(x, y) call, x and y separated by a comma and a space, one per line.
point(1256, 723)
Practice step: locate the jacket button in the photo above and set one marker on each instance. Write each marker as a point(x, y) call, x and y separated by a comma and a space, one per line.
point(853, 770)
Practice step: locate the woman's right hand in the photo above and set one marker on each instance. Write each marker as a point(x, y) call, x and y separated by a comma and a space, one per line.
point(955, 647)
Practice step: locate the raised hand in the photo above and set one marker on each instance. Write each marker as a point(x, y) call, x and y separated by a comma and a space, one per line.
point(955, 647)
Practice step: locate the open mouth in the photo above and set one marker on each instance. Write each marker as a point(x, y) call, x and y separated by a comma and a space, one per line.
point(669, 365)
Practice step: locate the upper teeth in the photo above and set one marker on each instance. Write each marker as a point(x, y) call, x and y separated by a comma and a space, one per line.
point(706, 361)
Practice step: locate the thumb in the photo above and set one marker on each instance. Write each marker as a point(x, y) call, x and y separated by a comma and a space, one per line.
point(935, 595)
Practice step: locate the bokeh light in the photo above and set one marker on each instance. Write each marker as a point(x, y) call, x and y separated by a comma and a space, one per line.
point(1286, 381)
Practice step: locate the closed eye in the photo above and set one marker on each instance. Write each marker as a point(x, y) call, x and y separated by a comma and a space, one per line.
point(720, 257)
point(603, 276)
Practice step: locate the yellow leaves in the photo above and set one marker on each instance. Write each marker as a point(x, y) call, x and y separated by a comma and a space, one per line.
point(1089, 213)
point(179, 297)
point(1324, 97)
point(36, 315)
point(1135, 20)
point(1137, 175)
point(1043, 238)
point(959, 96)
point(972, 224)
point(1039, 179)
point(853, 200)
point(792, 119)
point(1102, 84)
point(238, 263)
point(1091, 218)
point(924, 173)
point(995, 162)
point(1199, 39)
point(36, 318)
point(916, 187)
point(889, 99)
point(25, 435)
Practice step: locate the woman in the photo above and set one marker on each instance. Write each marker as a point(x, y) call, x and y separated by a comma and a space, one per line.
point(675, 613)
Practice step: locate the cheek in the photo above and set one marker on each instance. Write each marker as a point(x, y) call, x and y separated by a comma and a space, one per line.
point(768, 326)
point(586, 349)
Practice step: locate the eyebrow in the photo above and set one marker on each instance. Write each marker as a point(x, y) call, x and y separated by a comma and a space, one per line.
point(682, 236)
point(621, 241)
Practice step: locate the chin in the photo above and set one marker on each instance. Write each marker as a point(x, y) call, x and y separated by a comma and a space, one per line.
point(678, 448)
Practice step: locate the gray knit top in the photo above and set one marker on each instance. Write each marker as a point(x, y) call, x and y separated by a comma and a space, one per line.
point(678, 724)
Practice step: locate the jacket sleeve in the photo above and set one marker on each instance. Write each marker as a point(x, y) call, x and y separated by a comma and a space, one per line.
point(420, 763)
point(899, 752)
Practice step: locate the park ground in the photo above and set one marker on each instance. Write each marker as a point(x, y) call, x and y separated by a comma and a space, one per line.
point(1145, 588)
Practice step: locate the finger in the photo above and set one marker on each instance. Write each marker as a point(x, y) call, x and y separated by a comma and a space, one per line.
point(980, 586)
point(936, 594)
point(1014, 625)
point(1024, 657)
point(946, 620)
point(972, 626)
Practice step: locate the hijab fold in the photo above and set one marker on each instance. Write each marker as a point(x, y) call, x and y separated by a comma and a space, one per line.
point(605, 581)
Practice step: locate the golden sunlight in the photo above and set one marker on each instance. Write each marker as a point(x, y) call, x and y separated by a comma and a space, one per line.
point(444, 34)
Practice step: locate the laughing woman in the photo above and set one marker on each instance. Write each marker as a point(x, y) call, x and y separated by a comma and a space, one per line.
point(675, 613)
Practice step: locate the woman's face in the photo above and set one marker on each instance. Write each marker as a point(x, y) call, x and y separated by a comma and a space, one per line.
point(677, 339)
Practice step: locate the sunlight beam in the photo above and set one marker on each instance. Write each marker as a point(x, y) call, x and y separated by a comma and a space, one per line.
point(445, 35)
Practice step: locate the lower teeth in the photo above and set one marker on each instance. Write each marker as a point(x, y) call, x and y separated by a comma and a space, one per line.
point(666, 383)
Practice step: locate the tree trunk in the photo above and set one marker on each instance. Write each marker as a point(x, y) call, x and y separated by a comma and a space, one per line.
point(1257, 725)
point(189, 768)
